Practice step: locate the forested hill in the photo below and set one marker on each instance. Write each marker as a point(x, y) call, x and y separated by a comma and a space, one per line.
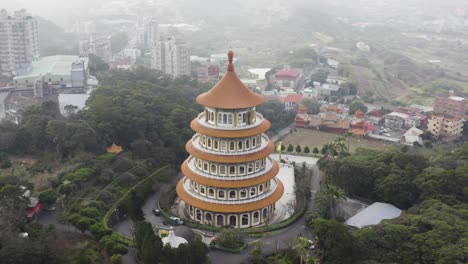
point(432, 188)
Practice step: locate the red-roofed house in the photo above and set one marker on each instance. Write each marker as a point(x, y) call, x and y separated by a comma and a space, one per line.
point(376, 116)
point(292, 101)
point(287, 78)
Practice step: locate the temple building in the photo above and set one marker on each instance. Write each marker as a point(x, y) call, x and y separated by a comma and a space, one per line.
point(229, 178)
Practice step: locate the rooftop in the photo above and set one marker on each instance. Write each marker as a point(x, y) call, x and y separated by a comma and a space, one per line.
point(457, 98)
point(373, 215)
point(413, 132)
point(398, 114)
point(230, 92)
point(287, 74)
point(60, 65)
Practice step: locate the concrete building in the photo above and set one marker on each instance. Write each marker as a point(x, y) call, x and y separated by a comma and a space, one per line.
point(61, 71)
point(208, 73)
point(18, 40)
point(412, 135)
point(287, 78)
point(445, 127)
point(450, 105)
point(171, 57)
point(396, 119)
point(99, 46)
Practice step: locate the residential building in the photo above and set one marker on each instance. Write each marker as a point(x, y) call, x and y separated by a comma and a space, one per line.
point(310, 92)
point(450, 105)
point(396, 120)
point(327, 89)
point(291, 101)
point(208, 73)
point(445, 127)
point(61, 71)
point(171, 57)
point(376, 116)
point(331, 118)
point(412, 135)
point(334, 79)
point(99, 46)
point(229, 178)
point(19, 41)
point(287, 78)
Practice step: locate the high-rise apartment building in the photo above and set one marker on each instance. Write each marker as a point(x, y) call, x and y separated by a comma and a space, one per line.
point(451, 105)
point(170, 56)
point(19, 41)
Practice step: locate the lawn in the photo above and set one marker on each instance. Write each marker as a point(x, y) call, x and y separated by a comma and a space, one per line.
point(313, 138)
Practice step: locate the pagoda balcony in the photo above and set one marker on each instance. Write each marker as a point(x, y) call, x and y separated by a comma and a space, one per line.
point(196, 144)
point(265, 194)
point(192, 167)
point(258, 121)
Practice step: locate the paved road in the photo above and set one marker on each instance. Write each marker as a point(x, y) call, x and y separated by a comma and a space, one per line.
point(277, 241)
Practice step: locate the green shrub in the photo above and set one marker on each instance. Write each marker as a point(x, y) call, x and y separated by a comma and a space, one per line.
point(111, 243)
point(90, 212)
point(99, 231)
point(80, 175)
point(116, 259)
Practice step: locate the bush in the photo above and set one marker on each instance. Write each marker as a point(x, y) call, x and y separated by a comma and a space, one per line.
point(99, 231)
point(48, 197)
point(90, 212)
point(79, 175)
point(116, 259)
point(112, 245)
point(229, 238)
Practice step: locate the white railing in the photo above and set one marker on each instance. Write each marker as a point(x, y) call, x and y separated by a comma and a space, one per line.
point(265, 194)
point(196, 144)
point(192, 167)
point(258, 121)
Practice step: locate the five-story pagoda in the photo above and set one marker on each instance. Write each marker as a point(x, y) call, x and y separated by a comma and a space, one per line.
point(229, 176)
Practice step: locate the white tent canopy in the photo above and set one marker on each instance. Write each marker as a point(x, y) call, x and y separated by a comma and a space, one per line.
point(373, 215)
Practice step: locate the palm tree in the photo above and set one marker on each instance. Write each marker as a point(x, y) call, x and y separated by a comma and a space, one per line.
point(329, 149)
point(334, 195)
point(302, 248)
point(348, 135)
point(340, 146)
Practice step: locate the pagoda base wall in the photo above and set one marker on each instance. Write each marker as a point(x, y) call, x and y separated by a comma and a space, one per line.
point(236, 220)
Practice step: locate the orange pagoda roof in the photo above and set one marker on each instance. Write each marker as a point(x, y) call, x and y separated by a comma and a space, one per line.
point(116, 149)
point(230, 92)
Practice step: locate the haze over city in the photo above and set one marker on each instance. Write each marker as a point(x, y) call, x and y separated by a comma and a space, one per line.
point(229, 131)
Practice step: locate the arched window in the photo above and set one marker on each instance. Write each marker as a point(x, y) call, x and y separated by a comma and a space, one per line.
point(241, 170)
point(220, 220)
point(205, 166)
point(202, 189)
point(239, 145)
point(221, 194)
point(230, 119)
point(243, 193)
point(260, 188)
point(264, 213)
point(213, 168)
point(203, 140)
point(222, 170)
point(211, 116)
point(208, 218)
point(198, 214)
point(244, 118)
point(220, 118)
point(256, 217)
point(254, 142)
point(247, 144)
point(253, 191)
point(250, 168)
point(232, 194)
point(232, 146)
point(223, 145)
point(209, 143)
point(211, 192)
point(216, 144)
point(245, 219)
point(257, 165)
point(224, 118)
point(239, 118)
point(195, 186)
point(232, 170)
point(233, 220)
